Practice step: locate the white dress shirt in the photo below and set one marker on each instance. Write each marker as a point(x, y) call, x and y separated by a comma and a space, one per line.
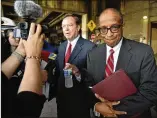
point(115, 54)
point(73, 43)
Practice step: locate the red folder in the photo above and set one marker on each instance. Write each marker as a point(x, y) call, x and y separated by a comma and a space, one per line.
point(115, 87)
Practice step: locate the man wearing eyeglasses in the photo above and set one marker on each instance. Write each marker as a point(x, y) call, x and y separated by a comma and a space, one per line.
point(131, 56)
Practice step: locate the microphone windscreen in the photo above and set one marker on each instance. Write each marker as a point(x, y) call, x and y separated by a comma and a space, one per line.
point(27, 8)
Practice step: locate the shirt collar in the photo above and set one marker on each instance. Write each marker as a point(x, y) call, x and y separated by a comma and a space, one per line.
point(73, 42)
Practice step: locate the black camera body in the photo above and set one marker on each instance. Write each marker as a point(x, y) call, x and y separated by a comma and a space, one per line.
point(22, 30)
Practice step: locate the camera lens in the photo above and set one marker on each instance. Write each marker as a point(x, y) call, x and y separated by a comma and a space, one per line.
point(22, 25)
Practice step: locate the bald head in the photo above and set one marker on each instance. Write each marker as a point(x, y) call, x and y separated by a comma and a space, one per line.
point(110, 26)
point(112, 12)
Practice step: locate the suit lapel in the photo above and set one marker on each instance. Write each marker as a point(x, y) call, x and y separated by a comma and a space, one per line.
point(124, 55)
point(76, 50)
point(101, 63)
point(62, 54)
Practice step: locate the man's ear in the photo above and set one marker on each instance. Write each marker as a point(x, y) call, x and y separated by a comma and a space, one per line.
point(78, 27)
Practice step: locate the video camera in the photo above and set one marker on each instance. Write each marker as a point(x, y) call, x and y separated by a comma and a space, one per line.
point(22, 29)
point(29, 12)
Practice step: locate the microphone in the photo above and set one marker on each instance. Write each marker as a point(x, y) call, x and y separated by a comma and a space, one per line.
point(52, 77)
point(27, 8)
point(52, 56)
point(50, 67)
point(45, 55)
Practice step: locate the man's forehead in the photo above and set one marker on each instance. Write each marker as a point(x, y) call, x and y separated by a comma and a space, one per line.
point(109, 17)
point(113, 19)
point(69, 18)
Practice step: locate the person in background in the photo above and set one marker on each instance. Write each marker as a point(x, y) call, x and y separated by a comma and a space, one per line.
point(98, 39)
point(29, 100)
point(133, 57)
point(7, 25)
point(49, 47)
point(72, 54)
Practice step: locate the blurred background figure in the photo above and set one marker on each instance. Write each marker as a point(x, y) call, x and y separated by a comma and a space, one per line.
point(7, 26)
point(98, 39)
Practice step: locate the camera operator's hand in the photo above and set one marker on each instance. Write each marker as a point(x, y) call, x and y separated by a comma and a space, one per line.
point(34, 43)
point(20, 49)
point(13, 42)
point(17, 44)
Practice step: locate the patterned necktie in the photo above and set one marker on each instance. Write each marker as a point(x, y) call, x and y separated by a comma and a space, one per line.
point(67, 56)
point(110, 64)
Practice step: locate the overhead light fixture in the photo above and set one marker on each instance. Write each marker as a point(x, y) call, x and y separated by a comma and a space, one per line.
point(145, 17)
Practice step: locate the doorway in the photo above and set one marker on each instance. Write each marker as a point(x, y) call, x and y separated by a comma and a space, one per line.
point(153, 39)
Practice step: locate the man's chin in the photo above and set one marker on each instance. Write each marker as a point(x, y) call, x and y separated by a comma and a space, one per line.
point(109, 43)
point(68, 38)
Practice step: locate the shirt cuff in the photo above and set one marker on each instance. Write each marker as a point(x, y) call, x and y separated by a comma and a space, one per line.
point(95, 112)
point(78, 78)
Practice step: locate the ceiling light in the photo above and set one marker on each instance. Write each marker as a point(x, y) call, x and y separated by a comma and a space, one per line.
point(145, 17)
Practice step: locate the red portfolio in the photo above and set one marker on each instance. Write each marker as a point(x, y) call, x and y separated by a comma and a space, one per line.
point(115, 87)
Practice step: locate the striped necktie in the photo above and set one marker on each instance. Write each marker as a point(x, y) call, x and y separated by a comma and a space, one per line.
point(110, 64)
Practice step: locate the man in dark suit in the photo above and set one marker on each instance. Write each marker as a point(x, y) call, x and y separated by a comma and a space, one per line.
point(72, 102)
point(135, 58)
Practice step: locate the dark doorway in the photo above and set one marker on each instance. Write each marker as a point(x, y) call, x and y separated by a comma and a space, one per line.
point(153, 37)
point(113, 4)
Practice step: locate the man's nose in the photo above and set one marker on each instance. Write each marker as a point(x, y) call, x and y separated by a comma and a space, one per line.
point(66, 28)
point(109, 33)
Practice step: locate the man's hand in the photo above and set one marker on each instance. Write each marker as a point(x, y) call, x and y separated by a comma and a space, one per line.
point(75, 70)
point(105, 107)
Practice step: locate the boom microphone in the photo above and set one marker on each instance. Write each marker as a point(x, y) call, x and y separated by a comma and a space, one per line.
point(27, 9)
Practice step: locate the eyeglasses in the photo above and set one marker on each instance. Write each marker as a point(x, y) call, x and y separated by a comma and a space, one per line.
point(113, 29)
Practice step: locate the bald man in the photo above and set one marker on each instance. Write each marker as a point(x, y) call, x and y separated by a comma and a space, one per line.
point(135, 58)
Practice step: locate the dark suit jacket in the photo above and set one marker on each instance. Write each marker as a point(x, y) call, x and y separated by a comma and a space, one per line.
point(72, 102)
point(138, 61)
